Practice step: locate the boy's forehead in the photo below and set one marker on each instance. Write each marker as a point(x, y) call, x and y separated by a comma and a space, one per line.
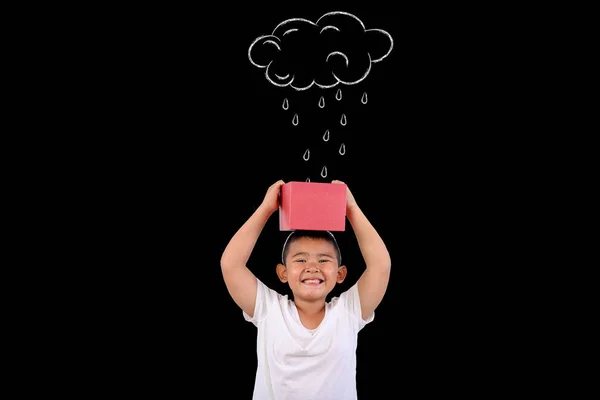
point(307, 241)
point(309, 244)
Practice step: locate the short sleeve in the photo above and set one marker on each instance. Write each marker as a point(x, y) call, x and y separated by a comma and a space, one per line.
point(266, 298)
point(350, 299)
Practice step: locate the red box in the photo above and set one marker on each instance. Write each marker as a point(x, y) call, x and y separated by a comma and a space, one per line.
point(312, 206)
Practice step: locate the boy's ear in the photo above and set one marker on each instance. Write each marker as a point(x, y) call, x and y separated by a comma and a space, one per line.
point(282, 272)
point(341, 273)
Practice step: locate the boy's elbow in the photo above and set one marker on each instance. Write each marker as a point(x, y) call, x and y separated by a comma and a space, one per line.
point(231, 262)
point(226, 262)
point(383, 268)
point(381, 264)
point(228, 258)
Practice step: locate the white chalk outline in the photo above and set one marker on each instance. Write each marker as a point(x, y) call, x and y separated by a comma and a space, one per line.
point(290, 30)
point(337, 53)
point(329, 27)
point(321, 102)
point(271, 41)
point(324, 171)
point(364, 98)
point(276, 40)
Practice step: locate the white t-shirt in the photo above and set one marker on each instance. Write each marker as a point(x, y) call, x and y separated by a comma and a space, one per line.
point(296, 363)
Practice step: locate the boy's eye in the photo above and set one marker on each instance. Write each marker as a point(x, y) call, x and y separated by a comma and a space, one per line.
point(323, 261)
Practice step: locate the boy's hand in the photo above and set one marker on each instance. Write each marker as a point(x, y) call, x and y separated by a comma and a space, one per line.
point(350, 201)
point(271, 200)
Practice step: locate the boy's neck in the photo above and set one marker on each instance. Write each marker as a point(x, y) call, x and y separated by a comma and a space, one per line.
point(310, 307)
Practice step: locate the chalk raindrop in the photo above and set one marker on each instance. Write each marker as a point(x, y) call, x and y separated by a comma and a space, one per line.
point(343, 120)
point(338, 95)
point(286, 105)
point(321, 102)
point(306, 155)
point(295, 120)
point(342, 149)
point(364, 98)
point(326, 135)
point(324, 171)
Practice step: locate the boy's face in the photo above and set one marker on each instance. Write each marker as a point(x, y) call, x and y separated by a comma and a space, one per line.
point(311, 268)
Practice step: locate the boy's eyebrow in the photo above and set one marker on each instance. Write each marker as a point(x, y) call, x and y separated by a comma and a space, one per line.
point(304, 253)
point(325, 254)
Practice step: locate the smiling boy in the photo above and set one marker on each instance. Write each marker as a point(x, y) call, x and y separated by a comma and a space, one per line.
point(306, 346)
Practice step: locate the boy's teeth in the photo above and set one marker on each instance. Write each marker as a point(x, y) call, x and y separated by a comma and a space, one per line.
point(311, 281)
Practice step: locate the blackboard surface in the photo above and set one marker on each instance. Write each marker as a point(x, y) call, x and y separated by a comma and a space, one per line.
point(204, 133)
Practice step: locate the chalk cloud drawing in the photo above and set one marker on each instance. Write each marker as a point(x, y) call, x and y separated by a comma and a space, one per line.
point(337, 49)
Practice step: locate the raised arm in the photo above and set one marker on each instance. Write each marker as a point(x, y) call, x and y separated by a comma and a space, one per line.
point(240, 281)
point(373, 283)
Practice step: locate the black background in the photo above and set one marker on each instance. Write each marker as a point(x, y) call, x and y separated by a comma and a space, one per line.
point(194, 137)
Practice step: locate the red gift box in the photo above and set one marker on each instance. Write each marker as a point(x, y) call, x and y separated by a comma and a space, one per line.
point(312, 206)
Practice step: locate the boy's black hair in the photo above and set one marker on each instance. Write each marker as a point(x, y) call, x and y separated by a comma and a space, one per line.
point(294, 235)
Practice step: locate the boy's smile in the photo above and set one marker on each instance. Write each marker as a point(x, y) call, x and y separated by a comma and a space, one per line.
point(312, 281)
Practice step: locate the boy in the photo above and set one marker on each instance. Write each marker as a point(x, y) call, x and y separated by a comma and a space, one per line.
point(306, 346)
